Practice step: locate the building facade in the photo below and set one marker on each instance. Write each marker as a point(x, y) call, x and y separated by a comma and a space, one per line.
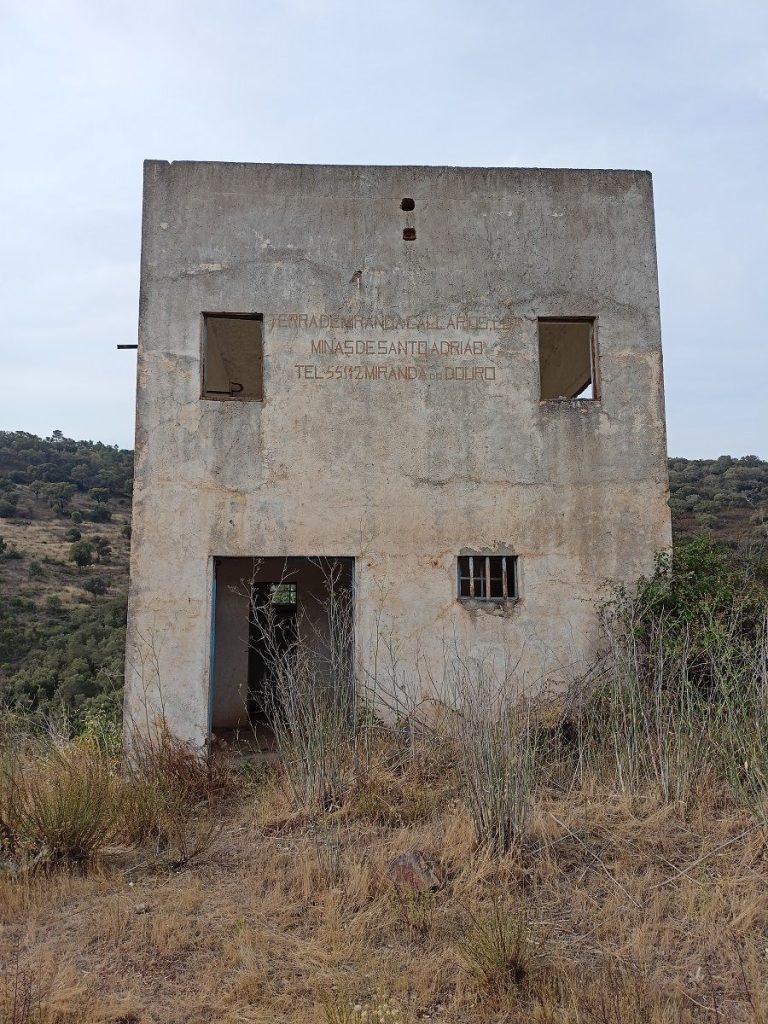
point(444, 383)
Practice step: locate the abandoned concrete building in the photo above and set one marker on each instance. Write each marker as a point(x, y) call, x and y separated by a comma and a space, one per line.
point(442, 384)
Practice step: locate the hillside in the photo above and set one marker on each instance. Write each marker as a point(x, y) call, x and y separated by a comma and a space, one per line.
point(62, 626)
point(726, 498)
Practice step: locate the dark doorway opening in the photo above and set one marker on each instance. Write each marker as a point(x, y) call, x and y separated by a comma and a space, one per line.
point(264, 608)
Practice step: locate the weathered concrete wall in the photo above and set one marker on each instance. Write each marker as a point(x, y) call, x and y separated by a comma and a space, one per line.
point(401, 474)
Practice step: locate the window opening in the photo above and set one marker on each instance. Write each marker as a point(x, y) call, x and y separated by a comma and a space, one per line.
point(233, 350)
point(407, 204)
point(567, 358)
point(487, 577)
point(409, 234)
point(282, 595)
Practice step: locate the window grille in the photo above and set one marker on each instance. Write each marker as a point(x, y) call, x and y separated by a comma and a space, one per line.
point(487, 577)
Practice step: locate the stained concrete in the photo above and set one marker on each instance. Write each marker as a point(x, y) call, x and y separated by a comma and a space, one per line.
point(400, 422)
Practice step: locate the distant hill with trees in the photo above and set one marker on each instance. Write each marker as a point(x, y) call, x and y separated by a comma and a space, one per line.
point(726, 498)
point(65, 515)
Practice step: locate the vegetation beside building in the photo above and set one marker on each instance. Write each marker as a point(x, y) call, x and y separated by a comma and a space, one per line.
point(65, 510)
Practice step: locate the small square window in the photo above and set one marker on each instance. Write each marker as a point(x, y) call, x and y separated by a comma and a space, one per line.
point(487, 577)
point(233, 350)
point(567, 358)
point(283, 595)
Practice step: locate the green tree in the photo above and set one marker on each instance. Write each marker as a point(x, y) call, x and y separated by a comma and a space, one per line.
point(8, 506)
point(99, 514)
point(97, 586)
point(102, 548)
point(58, 496)
point(81, 553)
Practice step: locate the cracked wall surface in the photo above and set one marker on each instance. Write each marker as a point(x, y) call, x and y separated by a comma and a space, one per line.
point(400, 421)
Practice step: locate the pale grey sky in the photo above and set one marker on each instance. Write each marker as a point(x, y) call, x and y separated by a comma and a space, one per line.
point(678, 87)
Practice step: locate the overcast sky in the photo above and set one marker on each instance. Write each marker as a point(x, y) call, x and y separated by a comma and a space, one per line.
point(678, 87)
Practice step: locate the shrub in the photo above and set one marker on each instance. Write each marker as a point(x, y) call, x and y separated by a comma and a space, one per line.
point(59, 801)
point(501, 950)
point(169, 787)
point(682, 687)
point(81, 553)
point(496, 740)
point(97, 586)
point(102, 549)
point(702, 592)
point(312, 702)
point(73, 535)
point(99, 514)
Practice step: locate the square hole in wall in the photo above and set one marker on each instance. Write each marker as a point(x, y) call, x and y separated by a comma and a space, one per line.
point(567, 358)
point(233, 356)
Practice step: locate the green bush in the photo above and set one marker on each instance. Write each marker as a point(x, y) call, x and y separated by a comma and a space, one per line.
point(7, 508)
point(99, 514)
point(682, 692)
point(501, 949)
point(81, 553)
point(97, 586)
point(701, 593)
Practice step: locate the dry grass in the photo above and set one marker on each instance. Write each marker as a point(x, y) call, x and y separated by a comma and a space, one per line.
point(621, 908)
point(59, 803)
point(629, 885)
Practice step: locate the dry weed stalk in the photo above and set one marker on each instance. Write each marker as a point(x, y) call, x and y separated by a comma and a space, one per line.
point(495, 739)
point(168, 792)
point(312, 703)
point(20, 1001)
